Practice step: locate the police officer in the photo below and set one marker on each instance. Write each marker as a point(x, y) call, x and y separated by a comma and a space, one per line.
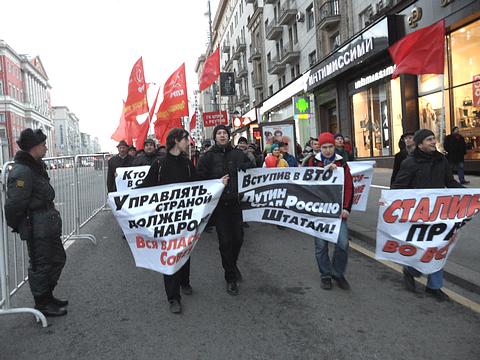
point(122, 159)
point(149, 156)
point(30, 211)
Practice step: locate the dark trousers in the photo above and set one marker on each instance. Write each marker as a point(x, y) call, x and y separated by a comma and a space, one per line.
point(172, 282)
point(47, 259)
point(228, 222)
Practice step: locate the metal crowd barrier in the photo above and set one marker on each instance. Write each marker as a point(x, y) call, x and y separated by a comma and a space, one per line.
point(80, 184)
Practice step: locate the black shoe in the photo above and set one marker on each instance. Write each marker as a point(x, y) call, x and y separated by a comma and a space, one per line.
point(245, 225)
point(175, 306)
point(238, 274)
point(59, 302)
point(326, 283)
point(464, 182)
point(187, 289)
point(51, 309)
point(232, 288)
point(408, 280)
point(342, 283)
point(438, 294)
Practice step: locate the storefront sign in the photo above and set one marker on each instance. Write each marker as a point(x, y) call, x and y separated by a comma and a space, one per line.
point(364, 81)
point(215, 118)
point(360, 48)
point(301, 107)
point(476, 90)
point(415, 16)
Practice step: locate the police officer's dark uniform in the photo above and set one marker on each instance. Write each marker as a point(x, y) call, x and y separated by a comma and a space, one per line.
point(116, 162)
point(30, 211)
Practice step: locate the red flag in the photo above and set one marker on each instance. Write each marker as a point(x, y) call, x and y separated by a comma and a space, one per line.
point(137, 91)
point(163, 127)
point(127, 129)
point(211, 70)
point(193, 122)
point(175, 100)
point(145, 126)
point(421, 52)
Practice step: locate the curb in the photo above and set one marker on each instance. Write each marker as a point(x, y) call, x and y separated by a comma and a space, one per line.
point(448, 275)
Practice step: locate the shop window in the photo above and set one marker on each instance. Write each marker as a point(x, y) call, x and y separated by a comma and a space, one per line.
point(375, 117)
point(466, 102)
point(310, 17)
point(465, 56)
point(432, 115)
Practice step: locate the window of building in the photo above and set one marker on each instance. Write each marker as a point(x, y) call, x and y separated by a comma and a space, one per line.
point(1, 88)
point(279, 83)
point(284, 80)
point(2, 118)
point(297, 69)
point(270, 90)
point(312, 57)
point(295, 33)
point(365, 16)
point(334, 41)
point(292, 72)
point(310, 15)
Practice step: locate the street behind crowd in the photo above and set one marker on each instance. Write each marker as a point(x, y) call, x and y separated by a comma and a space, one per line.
point(118, 311)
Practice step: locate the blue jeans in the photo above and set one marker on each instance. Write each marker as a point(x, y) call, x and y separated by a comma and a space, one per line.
point(338, 265)
point(434, 280)
point(460, 168)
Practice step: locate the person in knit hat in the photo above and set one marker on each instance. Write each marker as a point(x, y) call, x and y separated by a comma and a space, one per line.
point(275, 159)
point(224, 161)
point(335, 268)
point(426, 168)
point(406, 145)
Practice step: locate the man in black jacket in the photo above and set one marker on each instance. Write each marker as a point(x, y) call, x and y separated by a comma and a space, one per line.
point(174, 168)
point(425, 169)
point(122, 159)
point(150, 154)
point(219, 161)
point(406, 145)
point(456, 149)
point(30, 211)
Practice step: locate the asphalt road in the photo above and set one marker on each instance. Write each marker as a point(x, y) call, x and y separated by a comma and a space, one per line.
point(118, 311)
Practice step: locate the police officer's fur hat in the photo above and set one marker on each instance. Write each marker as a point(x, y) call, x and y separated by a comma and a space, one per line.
point(30, 138)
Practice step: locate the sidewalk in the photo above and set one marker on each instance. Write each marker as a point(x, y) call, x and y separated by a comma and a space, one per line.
point(463, 265)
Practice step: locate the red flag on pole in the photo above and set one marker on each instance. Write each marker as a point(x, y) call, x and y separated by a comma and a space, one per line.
point(211, 70)
point(127, 129)
point(174, 104)
point(136, 102)
point(421, 52)
point(145, 126)
point(193, 122)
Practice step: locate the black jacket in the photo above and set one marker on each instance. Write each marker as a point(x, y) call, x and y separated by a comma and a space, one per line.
point(399, 157)
point(422, 170)
point(114, 163)
point(170, 169)
point(146, 159)
point(455, 147)
point(29, 207)
point(220, 161)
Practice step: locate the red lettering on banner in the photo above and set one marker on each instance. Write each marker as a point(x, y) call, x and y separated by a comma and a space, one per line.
point(458, 207)
point(140, 242)
point(422, 211)
point(388, 215)
point(407, 205)
point(474, 206)
point(215, 118)
point(391, 246)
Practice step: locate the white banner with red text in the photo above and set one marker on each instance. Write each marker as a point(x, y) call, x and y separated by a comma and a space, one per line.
point(162, 224)
point(309, 199)
point(130, 177)
point(419, 227)
point(362, 174)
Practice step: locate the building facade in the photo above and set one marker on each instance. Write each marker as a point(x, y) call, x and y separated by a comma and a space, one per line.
point(68, 139)
point(24, 99)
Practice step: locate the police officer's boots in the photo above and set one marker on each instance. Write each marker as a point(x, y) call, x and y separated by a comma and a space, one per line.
point(48, 308)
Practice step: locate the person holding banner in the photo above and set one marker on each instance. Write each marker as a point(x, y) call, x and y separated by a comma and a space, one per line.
point(223, 161)
point(425, 169)
point(122, 159)
point(150, 154)
point(174, 168)
point(335, 268)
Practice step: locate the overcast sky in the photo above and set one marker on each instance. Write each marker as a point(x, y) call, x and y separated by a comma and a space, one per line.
point(88, 49)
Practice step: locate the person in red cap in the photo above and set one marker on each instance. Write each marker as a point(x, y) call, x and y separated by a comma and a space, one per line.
point(335, 268)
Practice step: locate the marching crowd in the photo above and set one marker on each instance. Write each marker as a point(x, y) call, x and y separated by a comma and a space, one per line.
point(30, 210)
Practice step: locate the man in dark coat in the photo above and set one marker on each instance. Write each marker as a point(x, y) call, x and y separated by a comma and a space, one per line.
point(30, 211)
point(122, 159)
point(150, 154)
point(221, 160)
point(406, 145)
point(456, 149)
point(425, 169)
point(174, 168)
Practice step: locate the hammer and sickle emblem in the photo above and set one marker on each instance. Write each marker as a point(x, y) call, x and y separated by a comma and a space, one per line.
point(415, 16)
